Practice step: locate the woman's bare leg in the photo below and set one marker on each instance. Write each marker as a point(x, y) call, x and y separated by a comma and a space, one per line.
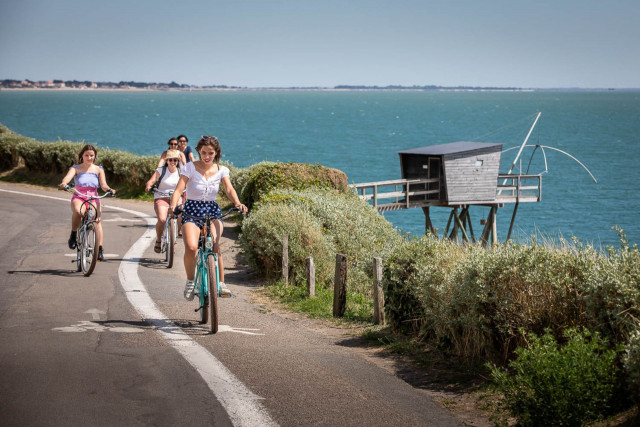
point(190, 235)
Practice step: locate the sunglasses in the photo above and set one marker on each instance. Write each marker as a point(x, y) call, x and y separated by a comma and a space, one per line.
point(172, 160)
point(172, 144)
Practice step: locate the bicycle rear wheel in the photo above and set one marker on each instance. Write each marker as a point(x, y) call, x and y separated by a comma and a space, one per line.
point(212, 280)
point(171, 241)
point(88, 252)
point(201, 277)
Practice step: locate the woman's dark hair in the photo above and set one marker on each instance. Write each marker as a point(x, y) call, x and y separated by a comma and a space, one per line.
point(86, 148)
point(172, 139)
point(182, 136)
point(211, 141)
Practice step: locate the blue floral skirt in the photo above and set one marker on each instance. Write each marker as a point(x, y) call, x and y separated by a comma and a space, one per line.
point(199, 209)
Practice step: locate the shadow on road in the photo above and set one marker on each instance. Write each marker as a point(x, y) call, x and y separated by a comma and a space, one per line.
point(63, 273)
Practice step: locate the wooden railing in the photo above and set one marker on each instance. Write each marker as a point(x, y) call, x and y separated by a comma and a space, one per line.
point(399, 193)
point(518, 188)
point(395, 189)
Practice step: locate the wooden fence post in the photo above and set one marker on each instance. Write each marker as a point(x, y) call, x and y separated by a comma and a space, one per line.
point(340, 286)
point(285, 259)
point(311, 276)
point(378, 294)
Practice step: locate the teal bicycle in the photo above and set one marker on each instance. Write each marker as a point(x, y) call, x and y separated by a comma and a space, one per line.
point(208, 272)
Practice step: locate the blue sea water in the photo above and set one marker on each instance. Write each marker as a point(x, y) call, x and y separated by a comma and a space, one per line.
point(360, 133)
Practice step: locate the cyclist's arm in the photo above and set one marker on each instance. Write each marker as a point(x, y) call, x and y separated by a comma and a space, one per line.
point(162, 161)
point(152, 181)
point(175, 198)
point(67, 178)
point(103, 182)
point(232, 195)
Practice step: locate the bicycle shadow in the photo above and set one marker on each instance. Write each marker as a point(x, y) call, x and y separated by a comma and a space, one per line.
point(152, 263)
point(49, 272)
point(189, 327)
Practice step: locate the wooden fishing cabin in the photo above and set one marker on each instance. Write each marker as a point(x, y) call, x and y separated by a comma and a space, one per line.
point(456, 176)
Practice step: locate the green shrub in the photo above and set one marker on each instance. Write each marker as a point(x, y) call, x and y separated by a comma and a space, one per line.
point(612, 291)
point(346, 224)
point(631, 360)
point(498, 293)
point(551, 384)
point(261, 239)
point(298, 176)
point(416, 284)
point(241, 176)
point(124, 171)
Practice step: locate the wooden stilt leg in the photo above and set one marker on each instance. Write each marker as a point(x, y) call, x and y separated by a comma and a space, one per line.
point(446, 230)
point(513, 220)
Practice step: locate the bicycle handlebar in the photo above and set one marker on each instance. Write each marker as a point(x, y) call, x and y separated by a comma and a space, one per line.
point(70, 186)
point(154, 189)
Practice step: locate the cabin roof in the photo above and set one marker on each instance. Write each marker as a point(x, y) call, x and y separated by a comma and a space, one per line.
point(450, 148)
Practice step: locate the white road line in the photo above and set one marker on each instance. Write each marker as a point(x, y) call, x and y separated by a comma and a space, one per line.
point(241, 404)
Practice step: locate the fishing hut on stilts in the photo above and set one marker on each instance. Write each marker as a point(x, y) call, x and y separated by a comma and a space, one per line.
point(455, 176)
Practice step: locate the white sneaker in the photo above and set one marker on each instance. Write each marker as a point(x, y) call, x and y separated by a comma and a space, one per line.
point(224, 291)
point(189, 287)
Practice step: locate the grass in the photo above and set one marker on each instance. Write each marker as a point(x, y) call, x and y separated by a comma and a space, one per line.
point(320, 306)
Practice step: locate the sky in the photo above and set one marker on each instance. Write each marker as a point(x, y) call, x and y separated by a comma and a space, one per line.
point(325, 43)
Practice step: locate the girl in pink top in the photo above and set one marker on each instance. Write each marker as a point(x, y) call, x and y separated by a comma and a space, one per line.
point(88, 177)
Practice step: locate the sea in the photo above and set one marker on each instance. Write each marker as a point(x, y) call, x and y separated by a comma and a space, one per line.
point(590, 173)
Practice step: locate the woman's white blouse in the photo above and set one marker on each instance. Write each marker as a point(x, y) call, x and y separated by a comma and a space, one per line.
point(202, 189)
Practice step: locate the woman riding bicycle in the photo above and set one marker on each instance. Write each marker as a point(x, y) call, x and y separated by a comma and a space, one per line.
point(202, 181)
point(88, 177)
point(164, 179)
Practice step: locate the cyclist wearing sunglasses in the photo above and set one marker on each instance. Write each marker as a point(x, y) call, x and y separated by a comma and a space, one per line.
point(164, 179)
point(173, 145)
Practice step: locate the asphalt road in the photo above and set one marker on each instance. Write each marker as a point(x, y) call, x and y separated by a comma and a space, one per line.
point(123, 347)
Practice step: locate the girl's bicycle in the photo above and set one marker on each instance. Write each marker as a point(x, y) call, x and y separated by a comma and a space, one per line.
point(86, 247)
point(170, 233)
point(208, 272)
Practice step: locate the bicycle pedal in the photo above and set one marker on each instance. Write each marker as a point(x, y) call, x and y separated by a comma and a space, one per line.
point(226, 295)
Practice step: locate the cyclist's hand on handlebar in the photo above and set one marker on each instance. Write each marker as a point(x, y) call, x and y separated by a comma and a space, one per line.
point(62, 186)
point(112, 191)
point(177, 210)
point(242, 208)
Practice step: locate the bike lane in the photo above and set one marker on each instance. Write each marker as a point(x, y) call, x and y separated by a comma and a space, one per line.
point(72, 349)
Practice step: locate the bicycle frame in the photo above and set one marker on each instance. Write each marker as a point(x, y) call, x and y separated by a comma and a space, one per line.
point(86, 250)
point(208, 272)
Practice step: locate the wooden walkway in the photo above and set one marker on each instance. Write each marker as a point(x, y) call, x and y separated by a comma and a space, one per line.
point(426, 193)
point(410, 193)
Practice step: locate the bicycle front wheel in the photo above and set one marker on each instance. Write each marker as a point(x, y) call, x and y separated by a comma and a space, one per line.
point(88, 252)
point(212, 280)
point(171, 241)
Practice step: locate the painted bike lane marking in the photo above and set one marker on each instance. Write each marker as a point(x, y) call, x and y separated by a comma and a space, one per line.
point(242, 405)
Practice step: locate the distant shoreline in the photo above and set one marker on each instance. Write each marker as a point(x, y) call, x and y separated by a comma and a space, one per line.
point(312, 89)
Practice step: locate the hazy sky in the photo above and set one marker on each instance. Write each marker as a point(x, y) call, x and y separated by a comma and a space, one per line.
point(282, 43)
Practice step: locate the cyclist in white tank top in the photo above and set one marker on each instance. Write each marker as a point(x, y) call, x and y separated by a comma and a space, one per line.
point(168, 179)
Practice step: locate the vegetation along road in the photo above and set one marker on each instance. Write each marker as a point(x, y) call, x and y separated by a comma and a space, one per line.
point(123, 347)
